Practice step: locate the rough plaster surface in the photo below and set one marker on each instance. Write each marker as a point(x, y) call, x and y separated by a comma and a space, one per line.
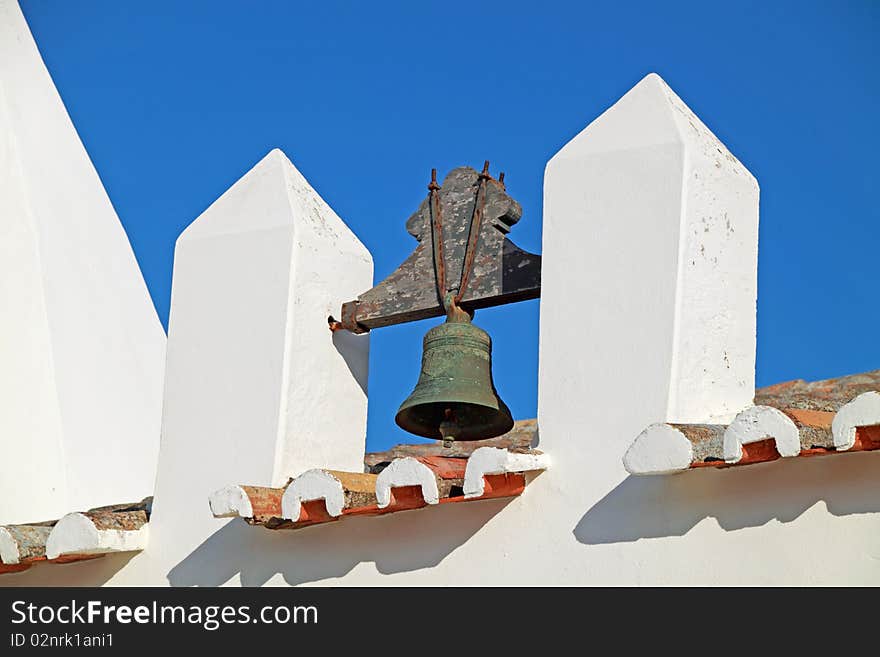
point(80, 342)
point(494, 460)
point(862, 411)
point(406, 472)
point(75, 533)
point(659, 449)
point(760, 423)
point(313, 485)
point(613, 225)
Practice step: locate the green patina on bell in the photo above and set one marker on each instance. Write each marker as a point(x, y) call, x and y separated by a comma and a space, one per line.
point(455, 398)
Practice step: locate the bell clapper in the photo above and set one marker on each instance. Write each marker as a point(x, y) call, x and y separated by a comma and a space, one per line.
point(449, 428)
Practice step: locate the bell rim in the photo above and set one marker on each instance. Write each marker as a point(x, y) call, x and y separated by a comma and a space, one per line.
point(502, 413)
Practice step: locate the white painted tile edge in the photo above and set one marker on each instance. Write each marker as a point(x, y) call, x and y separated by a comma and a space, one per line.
point(406, 471)
point(659, 449)
point(758, 423)
point(75, 533)
point(9, 553)
point(231, 502)
point(495, 460)
point(315, 484)
point(862, 411)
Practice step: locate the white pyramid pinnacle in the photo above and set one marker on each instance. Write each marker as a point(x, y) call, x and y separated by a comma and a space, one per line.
point(81, 347)
point(663, 222)
point(258, 389)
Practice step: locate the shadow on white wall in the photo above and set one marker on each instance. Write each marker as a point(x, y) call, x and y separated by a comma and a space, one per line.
point(395, 543)
point(355, 354)
point(95, 572)
point(782, 490)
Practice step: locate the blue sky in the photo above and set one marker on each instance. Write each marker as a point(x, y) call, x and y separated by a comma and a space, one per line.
point(176, 100)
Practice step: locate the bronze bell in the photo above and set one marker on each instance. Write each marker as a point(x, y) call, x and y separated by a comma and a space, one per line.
point(455, 398)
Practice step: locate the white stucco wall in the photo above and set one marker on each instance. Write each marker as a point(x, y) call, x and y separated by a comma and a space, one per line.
point(81, 347)
point(646, 342)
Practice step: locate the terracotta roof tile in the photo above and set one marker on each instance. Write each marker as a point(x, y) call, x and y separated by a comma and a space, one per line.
point(522, 437)
point(75, 537)
point(319, 496)
point(789, 419)
point(826, 395)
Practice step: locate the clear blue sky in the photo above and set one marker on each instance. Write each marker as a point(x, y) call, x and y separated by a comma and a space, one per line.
point(176, 100)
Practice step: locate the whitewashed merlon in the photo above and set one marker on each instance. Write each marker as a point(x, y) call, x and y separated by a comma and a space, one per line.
point(493, 461)
point(78, 533)
point(406, 471)
point(258, 389)
point(313, 485)
point(863, 411)
point(659, 449)
point(650, 272)
point(758, 423)
point(81, 346)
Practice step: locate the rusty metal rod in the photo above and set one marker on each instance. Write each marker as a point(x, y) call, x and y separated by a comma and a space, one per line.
point(473, 233)
point(437, 238)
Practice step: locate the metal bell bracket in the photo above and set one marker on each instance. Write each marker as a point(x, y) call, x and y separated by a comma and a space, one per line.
point(462, 231)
